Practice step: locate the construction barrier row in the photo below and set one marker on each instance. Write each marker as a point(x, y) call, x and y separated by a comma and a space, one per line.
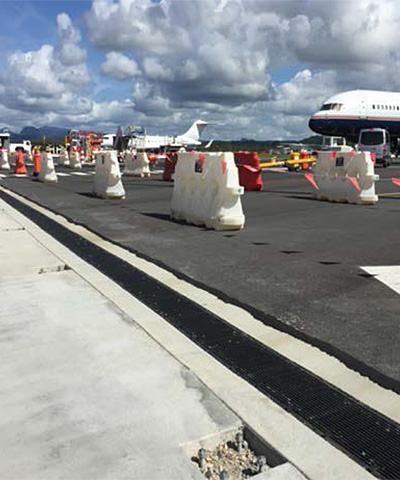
point(248, 165)
point(107, 179)
point(344, 177)
point(207, 191)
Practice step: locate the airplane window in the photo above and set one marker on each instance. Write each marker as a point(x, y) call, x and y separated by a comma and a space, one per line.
point(327, 106)
point(373, 107)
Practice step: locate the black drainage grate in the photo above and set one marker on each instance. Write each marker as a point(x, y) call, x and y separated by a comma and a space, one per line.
point(368, 437)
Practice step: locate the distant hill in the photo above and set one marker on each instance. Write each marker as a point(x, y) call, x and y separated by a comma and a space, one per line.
point(52, 134)
point(314, 140)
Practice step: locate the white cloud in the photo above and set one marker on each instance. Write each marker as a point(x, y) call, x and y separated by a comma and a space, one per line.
point(221, 60)
point(134, 24)
point(65, 29)
point(119, 66)
point(215, 51)
point(48, 79)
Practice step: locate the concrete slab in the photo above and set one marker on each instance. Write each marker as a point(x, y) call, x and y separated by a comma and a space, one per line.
point(85, 393)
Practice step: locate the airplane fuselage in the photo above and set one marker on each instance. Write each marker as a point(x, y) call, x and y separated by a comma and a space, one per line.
point(191, 138)
point(347, 113)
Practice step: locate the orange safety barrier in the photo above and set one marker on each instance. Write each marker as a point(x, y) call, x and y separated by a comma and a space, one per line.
point(249, 168)
point(20, 168)
point(36, 163)
point(169, 166)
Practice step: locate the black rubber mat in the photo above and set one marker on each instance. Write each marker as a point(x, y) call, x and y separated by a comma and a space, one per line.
point(368, 437)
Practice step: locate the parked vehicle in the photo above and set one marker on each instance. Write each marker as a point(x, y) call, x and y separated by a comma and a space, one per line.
point(376, 141)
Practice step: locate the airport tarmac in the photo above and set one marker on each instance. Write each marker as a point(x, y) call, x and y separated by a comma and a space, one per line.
point(297, 263)
point(296, 267)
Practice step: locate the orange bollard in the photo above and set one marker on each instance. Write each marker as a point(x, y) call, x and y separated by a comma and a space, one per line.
point(36, 163)
point(20, 168)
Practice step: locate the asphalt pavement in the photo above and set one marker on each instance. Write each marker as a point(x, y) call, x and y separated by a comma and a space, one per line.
point(297, 263)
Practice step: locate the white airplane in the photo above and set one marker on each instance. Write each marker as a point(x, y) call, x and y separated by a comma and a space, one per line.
point(345, 114)
point(136, 138)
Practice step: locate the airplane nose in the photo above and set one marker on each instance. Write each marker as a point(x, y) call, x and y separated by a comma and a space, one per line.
point(316, 125)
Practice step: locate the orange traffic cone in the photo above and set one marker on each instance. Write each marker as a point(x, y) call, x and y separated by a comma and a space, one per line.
point(20, 168)
point(36, 163)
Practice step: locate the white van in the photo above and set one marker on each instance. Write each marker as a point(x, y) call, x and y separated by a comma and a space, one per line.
point(377, 141)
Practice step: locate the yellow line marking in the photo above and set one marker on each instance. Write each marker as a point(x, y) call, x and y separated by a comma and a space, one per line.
point(388, 194)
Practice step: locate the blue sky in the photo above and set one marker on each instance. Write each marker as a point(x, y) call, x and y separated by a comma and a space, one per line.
point(252, 68)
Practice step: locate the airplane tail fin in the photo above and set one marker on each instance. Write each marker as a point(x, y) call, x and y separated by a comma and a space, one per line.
point(195, 131)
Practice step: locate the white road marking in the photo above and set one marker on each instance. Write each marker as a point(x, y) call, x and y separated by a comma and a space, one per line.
point(61, 174)
point(389, 275)
point(2, 175)
point(80, 173)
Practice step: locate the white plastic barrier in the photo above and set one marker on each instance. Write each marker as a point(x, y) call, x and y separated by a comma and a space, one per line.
point(129, 158)
point(141, 165)
point(345, 177)
point(47, 172)
point(63, 159)
point(207, 191)
point(107, 179)
point(4, 163)
point(28, 158)
point(74, 161)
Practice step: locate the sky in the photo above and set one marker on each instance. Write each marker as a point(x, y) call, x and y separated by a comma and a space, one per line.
point(251, 68)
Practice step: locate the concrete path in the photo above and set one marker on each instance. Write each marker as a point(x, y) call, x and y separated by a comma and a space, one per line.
point(85, 393)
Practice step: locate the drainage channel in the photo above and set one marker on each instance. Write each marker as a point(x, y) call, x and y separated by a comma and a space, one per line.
point(369, 438)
